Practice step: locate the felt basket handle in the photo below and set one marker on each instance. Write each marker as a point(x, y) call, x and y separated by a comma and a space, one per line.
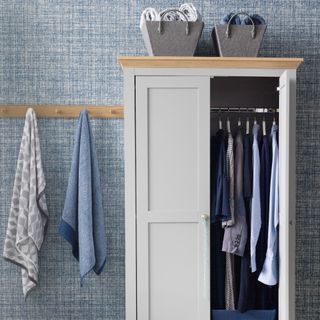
point(253, 30)
point(165, 12)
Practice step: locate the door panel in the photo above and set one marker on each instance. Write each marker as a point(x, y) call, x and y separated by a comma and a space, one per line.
point(173, 262)
point(169, 141)
point(173, 147)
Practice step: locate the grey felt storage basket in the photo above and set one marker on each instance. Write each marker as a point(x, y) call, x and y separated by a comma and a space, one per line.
point(171, 38)
point(238, 40)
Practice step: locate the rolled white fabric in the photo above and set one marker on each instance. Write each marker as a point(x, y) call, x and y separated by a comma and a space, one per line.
point(172, 15)
point(190, 11)
point(149, 14)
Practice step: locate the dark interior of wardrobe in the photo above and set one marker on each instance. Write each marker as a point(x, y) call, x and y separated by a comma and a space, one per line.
point(245, 99)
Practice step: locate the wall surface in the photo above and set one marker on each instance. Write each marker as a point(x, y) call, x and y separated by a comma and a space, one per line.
point(59, 51)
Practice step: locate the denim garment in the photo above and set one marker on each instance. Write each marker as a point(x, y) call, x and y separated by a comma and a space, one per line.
point(218, 266)
point(222, 211)
point(270, 273)
point(218, 258)
point(213, 177)
point(265, 295)
point(82, 223)
point(265, 174)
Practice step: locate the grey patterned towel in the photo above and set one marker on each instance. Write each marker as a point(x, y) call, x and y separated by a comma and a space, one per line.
point(28, 213)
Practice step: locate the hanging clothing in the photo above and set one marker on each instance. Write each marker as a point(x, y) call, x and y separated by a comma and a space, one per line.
point(255, 204)
point(222, 211)
point(264, 294)
point(230, 177)
point(247, 286)
point(82, 222)
point(230, 274)
point(235, 237)
point(218, 258)
point(28, 213)
point(218, 266)
point(270, 273)
point(230, 285)
point(265, 173)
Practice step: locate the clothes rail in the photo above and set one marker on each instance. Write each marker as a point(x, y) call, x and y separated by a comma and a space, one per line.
point(245, 110)
point(61, 111)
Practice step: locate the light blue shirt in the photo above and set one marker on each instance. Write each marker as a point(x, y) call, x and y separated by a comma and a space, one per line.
point(270, 271)
point(255, 205)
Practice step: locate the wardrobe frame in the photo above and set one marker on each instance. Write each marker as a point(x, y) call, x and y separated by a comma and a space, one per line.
point(209, 67)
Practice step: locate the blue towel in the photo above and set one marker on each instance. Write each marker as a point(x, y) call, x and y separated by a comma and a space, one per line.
point(227, 17)
point(257, 20)
point(82, 223)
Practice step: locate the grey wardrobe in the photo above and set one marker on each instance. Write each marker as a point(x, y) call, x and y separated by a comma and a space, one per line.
point(167, 162)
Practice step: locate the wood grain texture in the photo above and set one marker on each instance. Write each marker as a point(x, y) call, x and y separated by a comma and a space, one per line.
point(208, 62)
point(61, 111)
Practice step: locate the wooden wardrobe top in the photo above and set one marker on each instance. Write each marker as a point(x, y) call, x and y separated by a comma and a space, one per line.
point(208, 62)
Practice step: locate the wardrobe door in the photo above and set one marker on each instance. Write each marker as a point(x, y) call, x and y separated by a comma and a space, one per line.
point(172, 148)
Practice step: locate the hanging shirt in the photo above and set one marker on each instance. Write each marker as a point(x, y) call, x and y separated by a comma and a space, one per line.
point(264, 295)
point(214, 150)
point(270, 273)
point(265, 173)
point(235, 237)
point(246, 297)
point(218, 258)
point(222, 211)
point(255, 204)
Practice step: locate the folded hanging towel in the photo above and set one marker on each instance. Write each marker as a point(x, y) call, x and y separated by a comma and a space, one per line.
point(227, 17)
point(257, 20)
point(28, 213)
point(82, 223)
point(190, 11)
point(149, 14)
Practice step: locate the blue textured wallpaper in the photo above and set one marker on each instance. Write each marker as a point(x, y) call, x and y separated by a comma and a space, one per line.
point(64, 52)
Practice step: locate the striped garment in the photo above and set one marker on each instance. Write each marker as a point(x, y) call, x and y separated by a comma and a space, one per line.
point(230, 276)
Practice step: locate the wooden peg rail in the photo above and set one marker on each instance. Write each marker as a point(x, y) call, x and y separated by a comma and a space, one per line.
point(61, 111)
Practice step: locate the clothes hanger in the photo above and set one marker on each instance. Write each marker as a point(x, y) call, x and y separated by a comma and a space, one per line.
point(228, 123)
point(264, 129)
point(247, 122)
point(274, 122)
point(219, 120)
point(239, 118)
